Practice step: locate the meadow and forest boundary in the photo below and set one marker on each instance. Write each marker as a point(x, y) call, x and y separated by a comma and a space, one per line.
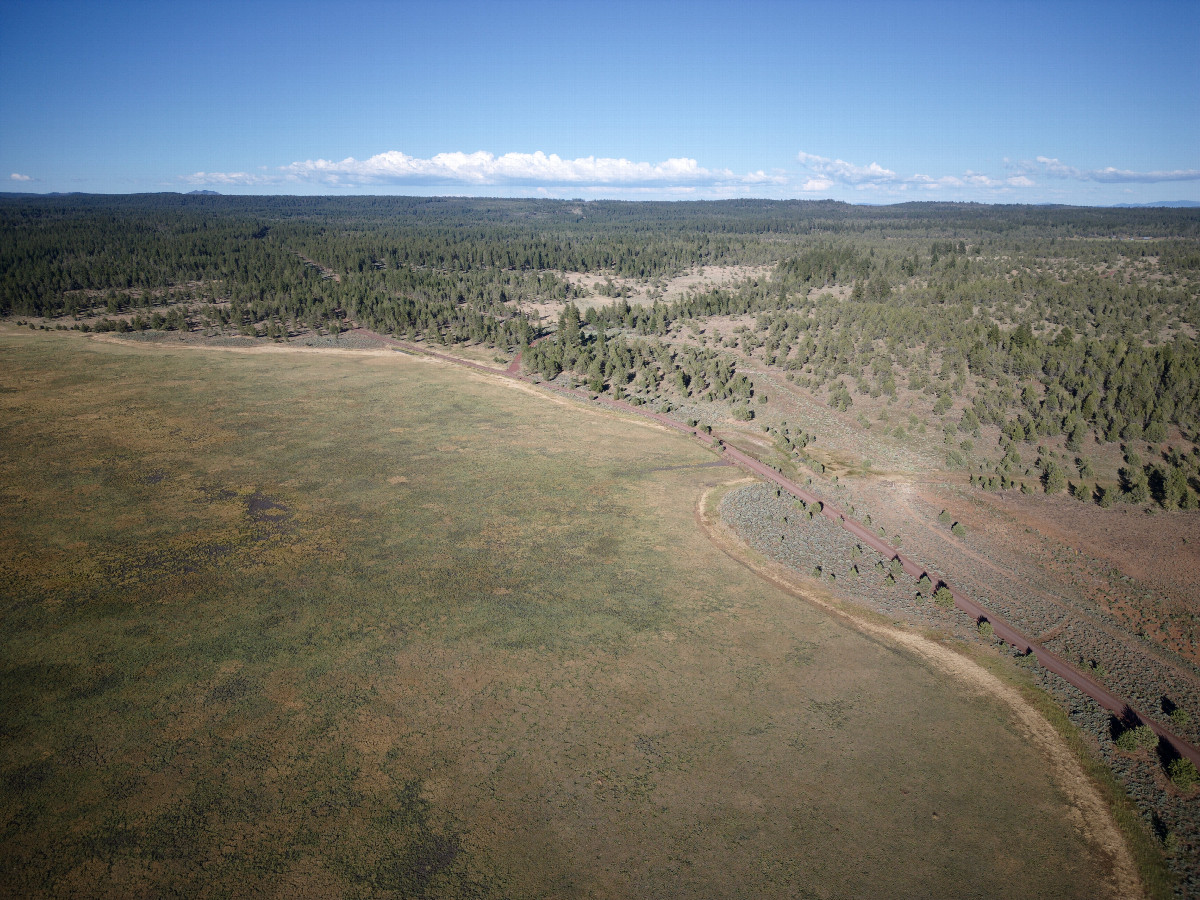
point(1002, 629)
point(257, 569)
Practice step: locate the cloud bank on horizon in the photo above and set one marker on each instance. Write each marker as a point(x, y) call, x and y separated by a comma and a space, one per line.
point(1110, 175)
point(817, 175)
point(482, 168)
point(824, 173)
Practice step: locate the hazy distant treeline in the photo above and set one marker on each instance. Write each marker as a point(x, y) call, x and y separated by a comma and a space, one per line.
point(1040, 320)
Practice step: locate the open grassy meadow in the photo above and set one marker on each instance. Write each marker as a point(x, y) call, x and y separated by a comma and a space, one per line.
point(353, 625)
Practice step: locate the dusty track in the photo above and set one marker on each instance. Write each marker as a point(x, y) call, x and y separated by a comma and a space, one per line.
point(1050, 661)
point(1075, 612)
point(1005, 631)
point(1091, 814)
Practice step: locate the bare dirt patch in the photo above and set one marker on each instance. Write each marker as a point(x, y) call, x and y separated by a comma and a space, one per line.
point(643, 292)
point(1159, 551)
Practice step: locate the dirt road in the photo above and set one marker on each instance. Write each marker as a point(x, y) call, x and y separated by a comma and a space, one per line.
point(1003, 629)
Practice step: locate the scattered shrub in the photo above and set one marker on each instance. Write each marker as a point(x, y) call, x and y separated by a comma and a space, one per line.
point(1183, 773)
point(1053, 478)
point(1141, 737)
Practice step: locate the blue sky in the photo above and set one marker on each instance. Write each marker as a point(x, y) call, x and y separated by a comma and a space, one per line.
point(1090, 103)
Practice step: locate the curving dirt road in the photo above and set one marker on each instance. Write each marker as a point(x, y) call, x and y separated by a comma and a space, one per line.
point(1006, 632)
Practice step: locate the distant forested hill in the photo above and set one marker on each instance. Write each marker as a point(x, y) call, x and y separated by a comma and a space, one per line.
point(1042, 320)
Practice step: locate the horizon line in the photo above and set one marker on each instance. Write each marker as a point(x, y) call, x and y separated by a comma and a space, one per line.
point(1157, 204)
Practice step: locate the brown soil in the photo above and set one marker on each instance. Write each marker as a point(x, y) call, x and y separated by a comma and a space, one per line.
point(1162, 549)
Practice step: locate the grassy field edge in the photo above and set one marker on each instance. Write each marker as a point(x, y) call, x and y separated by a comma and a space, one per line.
point(1155, 876)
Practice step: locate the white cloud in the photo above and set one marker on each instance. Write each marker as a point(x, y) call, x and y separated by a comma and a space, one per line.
point(17, 176)
point(483, 168)
point(1056, 168)
point(1108, 175)
point(230, 178)
point(826, 172)
point(978, 180)
point(817, 183)
point(847, 173)
point(608, 176)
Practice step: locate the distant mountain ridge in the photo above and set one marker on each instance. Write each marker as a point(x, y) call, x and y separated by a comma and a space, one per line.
point(1188, 204)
